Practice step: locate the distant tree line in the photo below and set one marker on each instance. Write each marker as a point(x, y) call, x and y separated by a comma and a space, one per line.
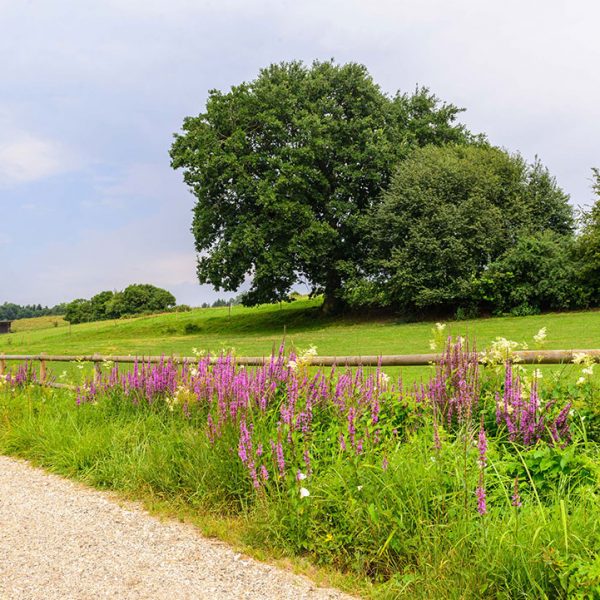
point(133, 300)
point(221, 302)
point(311, 174)
point(11, 312)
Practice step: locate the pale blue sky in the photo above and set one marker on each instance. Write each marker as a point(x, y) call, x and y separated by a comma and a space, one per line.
point(91, 92)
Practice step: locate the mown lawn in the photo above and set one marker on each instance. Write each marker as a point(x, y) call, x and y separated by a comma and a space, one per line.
point(256, 331)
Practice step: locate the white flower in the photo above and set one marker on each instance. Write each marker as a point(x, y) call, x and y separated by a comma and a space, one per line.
point(537, 374)
point(359, 488)
point(581, 381)
point(384, 380)
point(540, 336)
point(432, 345)
point(440, 327)
point(500, 351)
point(293, 365)
point(304, 493)
point(193, 372)
point(301, 476)
point(580, 357)
point(588, 370)
point(312, 351)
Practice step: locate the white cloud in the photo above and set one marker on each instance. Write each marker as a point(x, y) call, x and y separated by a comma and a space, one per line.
point(25, 158)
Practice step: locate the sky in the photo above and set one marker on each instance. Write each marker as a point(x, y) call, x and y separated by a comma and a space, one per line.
point(92, 91)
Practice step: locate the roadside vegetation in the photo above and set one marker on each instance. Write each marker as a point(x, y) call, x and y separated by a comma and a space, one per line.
point(481, 481)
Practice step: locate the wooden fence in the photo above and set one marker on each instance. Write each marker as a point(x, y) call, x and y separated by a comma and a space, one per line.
point(528, 357)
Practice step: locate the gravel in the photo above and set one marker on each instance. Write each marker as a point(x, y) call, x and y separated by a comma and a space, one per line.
point(59, 539)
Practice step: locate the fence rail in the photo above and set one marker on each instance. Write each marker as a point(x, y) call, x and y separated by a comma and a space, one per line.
point(542, 357)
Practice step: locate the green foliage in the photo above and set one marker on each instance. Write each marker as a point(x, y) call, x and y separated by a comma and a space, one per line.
point(538, 273)
point(79, 311)
point(283, 168)
point(12, 312)
point(408, 527)
point(449, 213)
point(589, 247)
point(133, 300)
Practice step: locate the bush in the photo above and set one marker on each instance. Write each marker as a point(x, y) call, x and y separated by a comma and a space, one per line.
point(538, 273)
point(449, 213)
point(191, 328)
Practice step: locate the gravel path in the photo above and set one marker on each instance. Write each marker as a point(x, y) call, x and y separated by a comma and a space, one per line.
point(59, 539)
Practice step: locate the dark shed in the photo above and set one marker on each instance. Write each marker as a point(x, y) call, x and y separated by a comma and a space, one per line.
point(5, 326)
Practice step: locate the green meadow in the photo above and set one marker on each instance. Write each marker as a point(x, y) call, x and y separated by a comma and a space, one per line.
point(256, 331)
point(260, 330)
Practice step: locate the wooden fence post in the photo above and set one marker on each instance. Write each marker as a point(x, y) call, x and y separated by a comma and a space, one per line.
point(42, 368)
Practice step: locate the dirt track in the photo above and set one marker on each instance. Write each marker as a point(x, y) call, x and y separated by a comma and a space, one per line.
point(62, 540)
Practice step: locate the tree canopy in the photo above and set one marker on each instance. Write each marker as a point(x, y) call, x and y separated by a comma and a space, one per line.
point(134, 299)
point(285, 167)
point(11, 312)
point(449, 213)
point(589, 246)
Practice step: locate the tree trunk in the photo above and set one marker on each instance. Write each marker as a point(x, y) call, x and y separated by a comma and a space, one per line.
point(332, 303)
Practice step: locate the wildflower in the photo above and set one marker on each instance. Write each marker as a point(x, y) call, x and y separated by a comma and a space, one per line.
point(359, 488)
point(277, 450)
point(540, 336)
point(482, 447)
point(436, 436)
point(293, 365)
point(385, 464)
point(432, 345)
point(588, 370)
point(481, 504)
point(384, 380)
point(264, 473)
point(537, 374)
point(581, 381)
point(300, 476)
point(516, 498)
point(304, 493)
point(440, 327)
point(580, 358)
point(501, 350)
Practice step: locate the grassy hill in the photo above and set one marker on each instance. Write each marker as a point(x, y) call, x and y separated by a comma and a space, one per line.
point(256, 331)
point(35, 323)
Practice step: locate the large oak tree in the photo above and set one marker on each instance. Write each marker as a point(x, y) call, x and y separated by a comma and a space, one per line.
point(284, 168)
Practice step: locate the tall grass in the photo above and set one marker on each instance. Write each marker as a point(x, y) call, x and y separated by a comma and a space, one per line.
point(379, 480)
